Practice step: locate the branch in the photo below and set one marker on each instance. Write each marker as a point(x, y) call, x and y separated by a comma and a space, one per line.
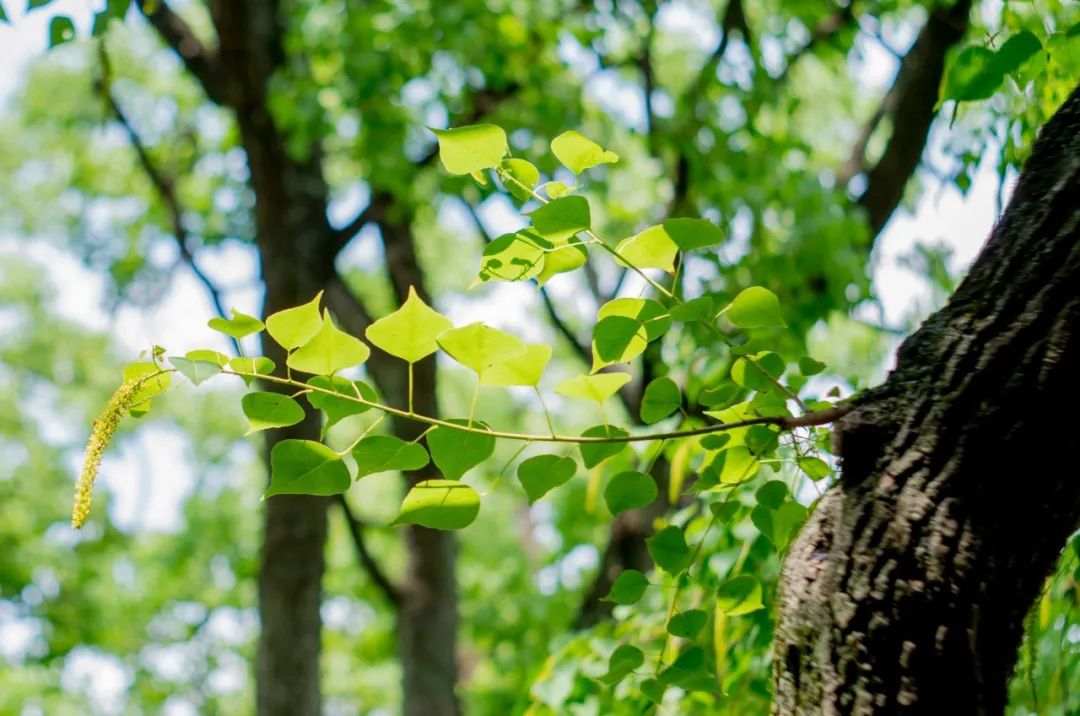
point(163, 184)
point(367, 560)
point(203, 62)
point(910, 105)
point(373, 213)
point(783, 422)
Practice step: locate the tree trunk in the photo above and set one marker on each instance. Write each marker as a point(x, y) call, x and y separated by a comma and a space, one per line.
point(427, 608)
point(906, 590)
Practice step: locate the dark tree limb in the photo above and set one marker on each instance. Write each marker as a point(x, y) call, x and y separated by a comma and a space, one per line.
point(202, 62)
point(364, 556)
point(906, 591)
point(910, 107)
point(165, 187)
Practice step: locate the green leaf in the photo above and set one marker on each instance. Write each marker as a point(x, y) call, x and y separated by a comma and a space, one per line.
point(525, 173)
point(140, 402)
point(687, 624)
point(270, 410)
point(779, 525)
point(629, 491)
point(464, 150)
point(239, 326)
point(739, 595)
point(478, 346)
point(592, 454)
point(294, 327)
point(409, 333)
point(61, 30)
point(814, 467)
point(621, 663)
point(755, 307)
point(627, 588)
point(338, 409)
point(719, 395)
point(218, 359)
point(734, 465)
point(724, 511)
point(524, 370)
point(772, 494)
point(196, 371)
point(611, 338)
point(692, 234)
point(1015, 51)
point(567, 256)
point(972, 75)
point(619, 341)
point(513, 257)
point(577, 152)
point(652, 248)
point(668, 550)
point(688, 670)
point(328, 351)
point(661, 399)
point(560, 219)
point(455, 452)
point(768, 364)
point(541, 474)
point(700, 309)
point(439, 504)
point(382, 453)
point(556, 189)
point(598, 387)
point(808, 366)
point(256, 366)
point(653, 690)
point(3, 15)
point(305, 467)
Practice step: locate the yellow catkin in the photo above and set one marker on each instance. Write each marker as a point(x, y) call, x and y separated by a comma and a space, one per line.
point(102, 432)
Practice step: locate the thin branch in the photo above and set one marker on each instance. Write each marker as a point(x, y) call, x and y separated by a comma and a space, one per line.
point(356, 531)
point(203, 62)
point(163, 184)
point(784, 422)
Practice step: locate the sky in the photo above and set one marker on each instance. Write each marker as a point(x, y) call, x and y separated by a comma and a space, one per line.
point(943, 214)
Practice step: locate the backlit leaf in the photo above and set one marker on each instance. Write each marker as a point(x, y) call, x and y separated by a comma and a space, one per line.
point(270, 410)
point(294, 327)
point(306, 467)
point(381, 453)
point(239, 326)
point(409, 333)
point(439, 504)
point(329, 351)
point(577, 152)
point(455, 452)
point(543, 473)
point(464, 150)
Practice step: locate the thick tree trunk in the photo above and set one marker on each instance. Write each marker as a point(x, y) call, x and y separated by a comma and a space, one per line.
point(906, 590)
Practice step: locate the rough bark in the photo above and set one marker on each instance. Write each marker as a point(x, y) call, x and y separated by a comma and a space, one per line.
point(906, 590)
